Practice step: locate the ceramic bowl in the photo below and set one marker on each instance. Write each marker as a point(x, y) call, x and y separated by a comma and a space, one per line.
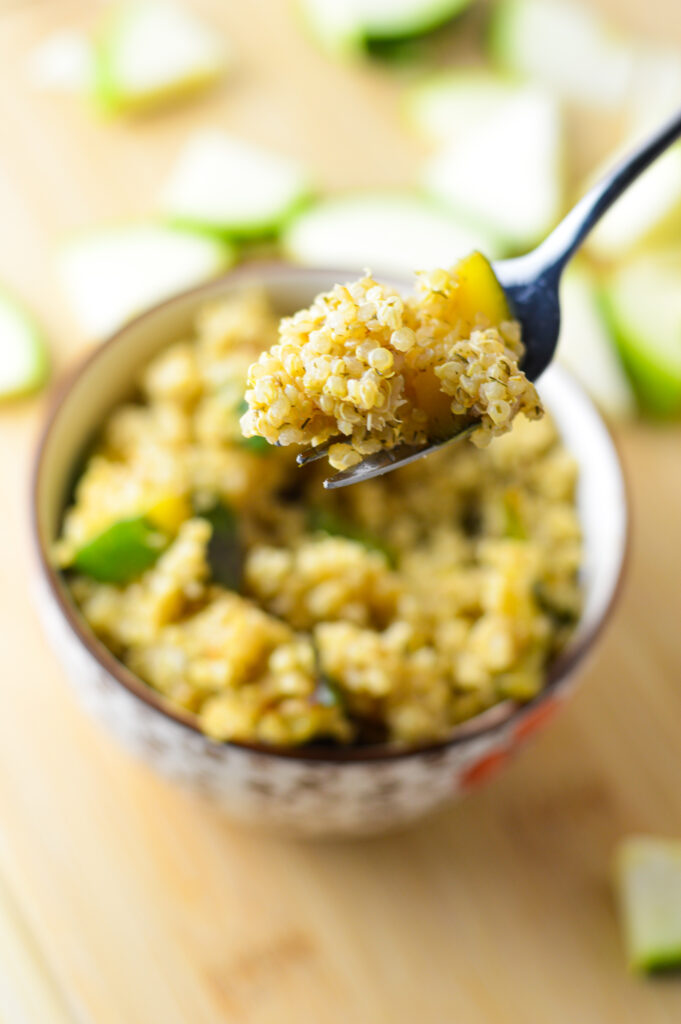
point(308, 791)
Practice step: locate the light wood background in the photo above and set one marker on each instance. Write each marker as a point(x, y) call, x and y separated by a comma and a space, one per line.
point(122, 900)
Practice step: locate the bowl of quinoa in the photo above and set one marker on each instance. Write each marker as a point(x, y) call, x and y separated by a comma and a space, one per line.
point(323, 661)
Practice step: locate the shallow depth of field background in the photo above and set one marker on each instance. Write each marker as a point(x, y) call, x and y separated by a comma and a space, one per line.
point(122, 899)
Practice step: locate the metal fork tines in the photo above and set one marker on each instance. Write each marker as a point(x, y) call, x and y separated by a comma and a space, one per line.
point(315, 454)
point(383, 461)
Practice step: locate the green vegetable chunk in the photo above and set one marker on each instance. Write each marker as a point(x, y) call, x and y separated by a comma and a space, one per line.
point(648, 879)
point(24, 363)
point(566, 48)
point(122, 552)
point(643, 305)
point(112, 274)
point(388, 231)
point(226, 553)
point(522, 204)
point(150, 52)
point(225, 185)
point(345, 29)
point(587, 347)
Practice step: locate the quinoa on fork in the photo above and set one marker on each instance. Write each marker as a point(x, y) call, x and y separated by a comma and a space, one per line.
point(375, 370)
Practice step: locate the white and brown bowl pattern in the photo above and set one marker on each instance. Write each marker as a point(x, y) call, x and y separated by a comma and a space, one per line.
point(310, 792)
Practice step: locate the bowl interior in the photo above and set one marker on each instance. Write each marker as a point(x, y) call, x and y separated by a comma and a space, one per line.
point(108, 376)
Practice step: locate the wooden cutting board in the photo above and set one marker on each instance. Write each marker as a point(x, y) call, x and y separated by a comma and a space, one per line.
point(123, 900)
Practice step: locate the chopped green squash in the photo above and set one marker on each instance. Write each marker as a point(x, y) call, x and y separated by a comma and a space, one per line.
point(121, 552)
point(504, 170)
point(642, 300)
point(226, 554)
point(648, 881)
point(389, 232)
point(24, 363)
point(112, 274)
point(231, 187)
point(153, 51)
point(564, 46)
point(346, 28)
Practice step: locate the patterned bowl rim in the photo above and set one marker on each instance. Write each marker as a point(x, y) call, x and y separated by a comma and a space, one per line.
point(505, 715)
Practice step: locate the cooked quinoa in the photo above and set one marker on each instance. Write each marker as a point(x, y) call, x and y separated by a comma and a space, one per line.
point(374, 369)
point(277, 612)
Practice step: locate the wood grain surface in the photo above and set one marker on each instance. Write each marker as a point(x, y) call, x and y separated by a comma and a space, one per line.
point(123, 900)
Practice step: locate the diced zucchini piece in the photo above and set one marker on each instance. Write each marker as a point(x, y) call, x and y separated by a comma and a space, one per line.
point(648, 882)
point(479, 293)
point(387, 232)
point(122, 552)
point(226, 554)
point(402, 19)
point(63, 62)
point(226, 185)
point(334, 25)
point(564, 46)
point(480, 301)
point(587, 348)
point(24, 363)
point(113, 274)
point(643, 304)
point(447, 106)
point(343, 27)
point(151, 51)
point(506, 171)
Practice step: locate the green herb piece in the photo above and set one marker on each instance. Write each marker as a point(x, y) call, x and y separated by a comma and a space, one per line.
point(122, 552)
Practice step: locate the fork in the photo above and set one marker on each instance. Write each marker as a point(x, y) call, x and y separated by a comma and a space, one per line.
point(531, 285)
